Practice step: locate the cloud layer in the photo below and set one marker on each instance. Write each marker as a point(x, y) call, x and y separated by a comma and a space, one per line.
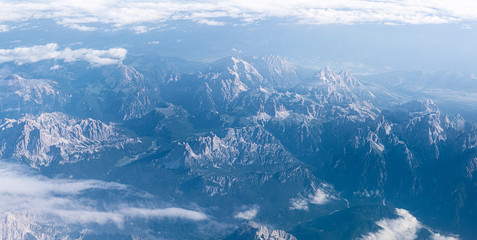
point(22, 55)
point(118, 14)
point(68, 200)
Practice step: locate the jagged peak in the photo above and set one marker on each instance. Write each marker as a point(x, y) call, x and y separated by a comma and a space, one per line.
point(73, 137)
point(20, 79)
point(235, 66)
point(278, 71)
point(343, 78)
point(129, 74)
point(272, 70)
point(422, 107)
point(279, 63)
point(230, 61)
point(32, 85)
point(16, 77)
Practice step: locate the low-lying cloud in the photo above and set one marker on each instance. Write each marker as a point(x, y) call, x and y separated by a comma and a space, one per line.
point(67, 201)
point(130, 14)
point(318, 197)
point(248, 214)
point(22, 55)
point(405, 227)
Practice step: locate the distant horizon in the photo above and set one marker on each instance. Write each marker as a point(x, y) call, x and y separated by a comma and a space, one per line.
point(360, 36)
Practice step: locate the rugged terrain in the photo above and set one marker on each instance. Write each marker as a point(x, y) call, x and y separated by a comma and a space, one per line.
point(248, 148)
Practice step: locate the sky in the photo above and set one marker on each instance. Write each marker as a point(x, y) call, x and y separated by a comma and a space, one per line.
point(357, 35)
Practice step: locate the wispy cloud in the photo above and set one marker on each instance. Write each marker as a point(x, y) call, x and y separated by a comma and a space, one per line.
point(319, 196)
point(22, 55)
point(404, 227)
point(299, 204)
point(248, 214)
point(4, 28)
point(128, 14)
point(68, 201)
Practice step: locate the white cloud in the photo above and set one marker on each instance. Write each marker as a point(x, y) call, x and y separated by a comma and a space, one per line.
point(437, 236)
point(320, 197)
point(66, 201)
point(236, 50)
point(140, 29)
point(121, 14)
point(317, 197)
point(210, 22)
point(4, 28)
point(165, 212)
point(404, 227)
point(247, 214)
point(80, 27)
point(299, 204)
point(22, 55)
point(55, 67)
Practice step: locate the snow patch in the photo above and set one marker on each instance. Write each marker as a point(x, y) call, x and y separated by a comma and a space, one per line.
point(282, 112)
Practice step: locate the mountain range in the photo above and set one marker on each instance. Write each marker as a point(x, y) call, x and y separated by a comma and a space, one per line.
point(239, 148)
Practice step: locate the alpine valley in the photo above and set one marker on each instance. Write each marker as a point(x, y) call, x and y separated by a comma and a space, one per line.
point(237, 148)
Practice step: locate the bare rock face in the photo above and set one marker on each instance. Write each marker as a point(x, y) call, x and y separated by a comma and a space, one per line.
point(27, 226)
point(238, 134)
point(48, 137)
point(254, 231)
